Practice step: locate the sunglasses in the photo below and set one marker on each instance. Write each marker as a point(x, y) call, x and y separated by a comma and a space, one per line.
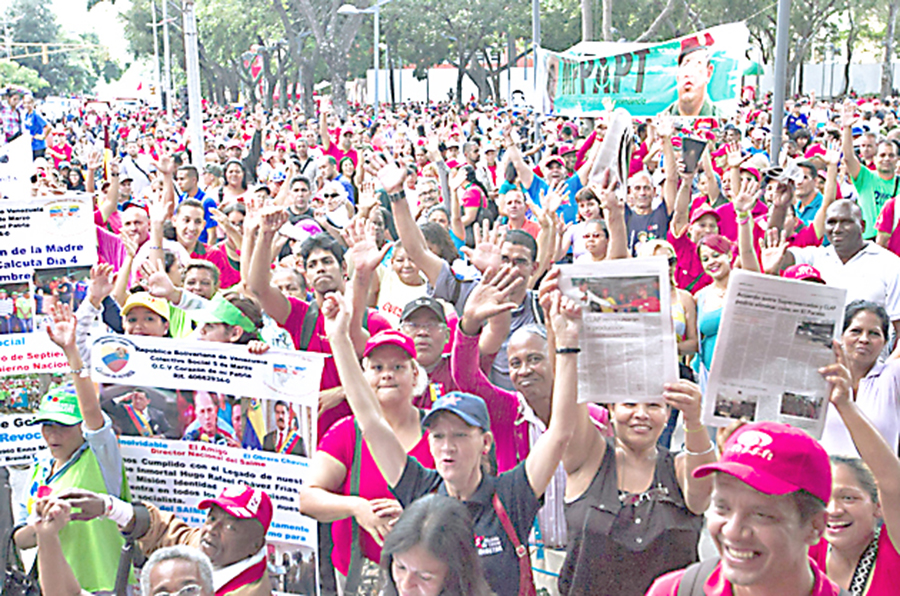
point(331, 196)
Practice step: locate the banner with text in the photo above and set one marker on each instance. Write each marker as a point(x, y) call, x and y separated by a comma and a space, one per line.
point(47, 249)
point(698, 75)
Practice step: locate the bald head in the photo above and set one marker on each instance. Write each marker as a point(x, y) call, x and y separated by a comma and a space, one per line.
point(844, 228)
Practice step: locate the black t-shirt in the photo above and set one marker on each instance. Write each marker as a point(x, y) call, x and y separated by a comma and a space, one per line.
point(498, 556)
point(643, 228)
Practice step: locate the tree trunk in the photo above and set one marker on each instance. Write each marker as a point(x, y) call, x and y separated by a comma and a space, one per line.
point(851, 41)
point(587, 20)
point(606, 22)
point(887, 67)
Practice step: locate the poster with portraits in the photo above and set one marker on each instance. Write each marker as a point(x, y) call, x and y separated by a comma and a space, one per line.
point(194, 417)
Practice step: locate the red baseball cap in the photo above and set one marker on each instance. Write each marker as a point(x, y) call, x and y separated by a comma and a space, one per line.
point(390, 337)
point(753, 172)
point(567, 149)
point(243, 502)
point(775, 459)
point(803, 272)
point(702, 210)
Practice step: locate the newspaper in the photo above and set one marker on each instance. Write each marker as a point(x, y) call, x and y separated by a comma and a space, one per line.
point(774, 336)
point(628, 349)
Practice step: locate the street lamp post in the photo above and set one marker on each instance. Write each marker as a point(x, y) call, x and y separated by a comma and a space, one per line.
point(349, 9)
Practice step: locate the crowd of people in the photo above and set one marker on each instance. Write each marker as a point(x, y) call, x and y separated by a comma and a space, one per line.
point(419, 248)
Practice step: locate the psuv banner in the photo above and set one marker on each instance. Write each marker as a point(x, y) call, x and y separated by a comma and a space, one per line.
point(698, 75)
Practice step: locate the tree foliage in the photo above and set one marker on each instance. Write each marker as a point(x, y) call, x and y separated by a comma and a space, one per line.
point(74, 71)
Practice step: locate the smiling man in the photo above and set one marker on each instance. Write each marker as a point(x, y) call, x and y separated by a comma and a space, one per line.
point(771, 486)
point(233, 535)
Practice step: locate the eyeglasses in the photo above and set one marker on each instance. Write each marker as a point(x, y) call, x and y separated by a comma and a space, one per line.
point(593, 235)
point(429, 326)
point(188, 590)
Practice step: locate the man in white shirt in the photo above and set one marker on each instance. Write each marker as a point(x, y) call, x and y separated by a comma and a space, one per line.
point(866, 270)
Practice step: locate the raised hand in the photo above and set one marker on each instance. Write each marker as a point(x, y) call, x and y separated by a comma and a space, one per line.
point(62, 331)
point(392, 174)
point(838, 376)
point(565, 320)
point(102, 283)
point(157, 280)
point(685, 396)
point(665, 127)
point(832, 155)
point(848, 114)
point(774, 244)
point(490, 297)
point(784, 194)
point(488, 240)
point(272, 219)
point(336, 311)
point(733, 156)
point(747, 196)
point(363, 252)
point(165, 164)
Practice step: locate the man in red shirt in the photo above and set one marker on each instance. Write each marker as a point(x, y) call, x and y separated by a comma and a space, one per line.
point(344, 147)
point(770, 490)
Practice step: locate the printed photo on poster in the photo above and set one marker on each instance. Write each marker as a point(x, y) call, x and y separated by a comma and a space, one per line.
point(618, 294)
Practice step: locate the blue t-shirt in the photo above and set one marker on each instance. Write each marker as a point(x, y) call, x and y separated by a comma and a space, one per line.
point(569, 208)
point(208, 205)
point(35, 125)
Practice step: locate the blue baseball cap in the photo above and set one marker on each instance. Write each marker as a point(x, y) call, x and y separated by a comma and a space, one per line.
point(470, 408)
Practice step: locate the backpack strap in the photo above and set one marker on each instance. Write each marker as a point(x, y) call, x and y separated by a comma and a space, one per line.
point(354, 573)
point(309, 325)
point(526, 579)
point(536, 311)
point(695, 577)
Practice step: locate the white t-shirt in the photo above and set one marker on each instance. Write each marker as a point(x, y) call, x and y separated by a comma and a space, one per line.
point(872, 274)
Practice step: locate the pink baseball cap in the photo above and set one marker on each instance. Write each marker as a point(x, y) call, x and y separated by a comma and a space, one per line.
point(775, 459)
point(752, 171)
point(243, 502)
point(390, 337)
point(803, 272)
point(702, 210)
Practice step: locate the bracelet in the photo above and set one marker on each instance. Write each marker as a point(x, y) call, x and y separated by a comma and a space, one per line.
point(154, 248)
point(743, 214)
point(396, 197)
point(568, 350)
point(79, 372)
point(743, 220)
point(710, 449)
point(693, 430)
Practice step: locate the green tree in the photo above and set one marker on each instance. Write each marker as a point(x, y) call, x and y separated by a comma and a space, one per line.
point(21, 76)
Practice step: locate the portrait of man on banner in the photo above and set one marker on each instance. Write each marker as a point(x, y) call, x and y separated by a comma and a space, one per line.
point(695, 71)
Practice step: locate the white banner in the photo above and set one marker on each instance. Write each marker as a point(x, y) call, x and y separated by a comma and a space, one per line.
point(206, 366)
point(48, 246)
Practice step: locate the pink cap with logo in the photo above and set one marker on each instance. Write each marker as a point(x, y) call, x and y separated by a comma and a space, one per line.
point(803, 272)
point(775, 459)
point(390, 337)
point(243, 502)
point(702, 210)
